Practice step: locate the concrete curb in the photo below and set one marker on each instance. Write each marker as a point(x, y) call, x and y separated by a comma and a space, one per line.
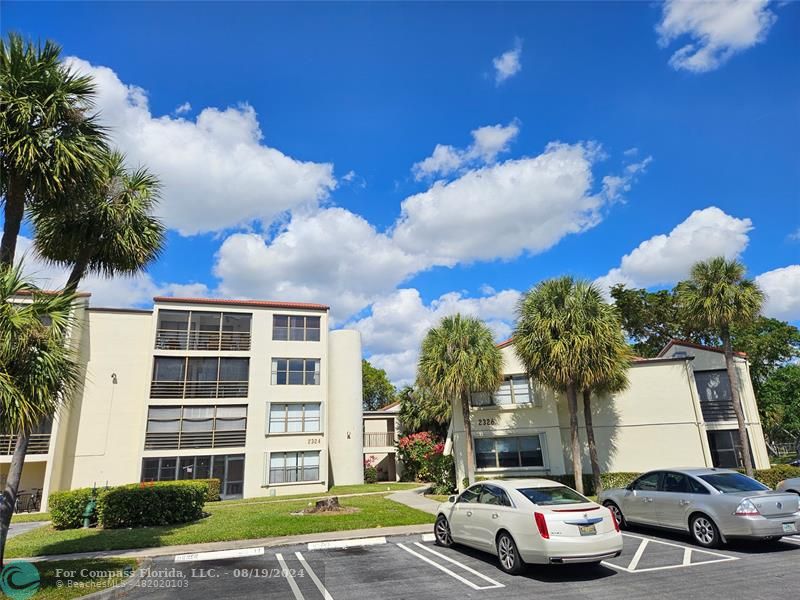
point(123, 588)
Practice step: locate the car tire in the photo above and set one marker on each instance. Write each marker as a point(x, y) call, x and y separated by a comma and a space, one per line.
point(617, 512)
point(441, 532)
point(510, 560)
point(772, 539)
point(704, 531)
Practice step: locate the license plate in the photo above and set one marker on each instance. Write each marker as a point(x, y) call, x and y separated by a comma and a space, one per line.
point(789, 528)
point(589, 529)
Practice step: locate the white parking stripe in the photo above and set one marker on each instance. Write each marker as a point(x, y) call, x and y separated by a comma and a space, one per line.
point(687, 556)
point(638, 555)
point(448, 571)
point(314, 578)
point(220, 554)
point(292, 583)
point(428, 537)
point(339, 544)
point(639, 537)
point(465, 567)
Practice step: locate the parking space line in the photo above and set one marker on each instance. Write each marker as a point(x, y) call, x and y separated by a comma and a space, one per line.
point(638, 555)
point(292, 583)
point(686, 561)
point(314, 578)
point(444, 569)
point(428, 537)
point(465, 567)
point(341, 544)
point(220, 554)
point(639, 537)
point(687, 556)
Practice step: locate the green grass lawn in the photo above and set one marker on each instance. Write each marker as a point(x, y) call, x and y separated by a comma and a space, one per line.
point(364, 488)
point(63, 580)
point(30, 517)
point(224, 523)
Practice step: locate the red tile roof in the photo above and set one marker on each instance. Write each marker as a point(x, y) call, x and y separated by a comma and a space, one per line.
point(254, 303)
point(672, 343)
point(505, 343)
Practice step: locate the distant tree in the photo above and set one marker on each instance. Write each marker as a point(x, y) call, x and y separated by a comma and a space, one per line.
point(718, 297)
point(377, 390)
point(780, 404)
point(419, 412)
point(769, 344)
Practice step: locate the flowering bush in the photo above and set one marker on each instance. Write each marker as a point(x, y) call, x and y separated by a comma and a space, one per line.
point(370, 471)
point(417, 452)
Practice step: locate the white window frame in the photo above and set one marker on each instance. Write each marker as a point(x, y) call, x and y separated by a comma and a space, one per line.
point(268, 420)
point(322, 465)
point(273, 379)
point(507, 380)
point(542, 435)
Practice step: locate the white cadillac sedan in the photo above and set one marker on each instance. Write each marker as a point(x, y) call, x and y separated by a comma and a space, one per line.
point(529, 521)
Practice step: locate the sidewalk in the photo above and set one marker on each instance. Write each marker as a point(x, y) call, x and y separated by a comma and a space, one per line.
point(415, 499)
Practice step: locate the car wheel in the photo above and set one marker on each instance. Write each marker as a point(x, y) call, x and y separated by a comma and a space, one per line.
point(623, 524)
point(704, 531)
point(510, 560)
point(441, 532)
point(771, 539)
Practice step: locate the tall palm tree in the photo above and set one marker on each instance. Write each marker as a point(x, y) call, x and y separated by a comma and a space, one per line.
point(459, 357)
point(48, 139)
point(718, 296)
point(568, 340)
point(38, 368)
point(107, 227)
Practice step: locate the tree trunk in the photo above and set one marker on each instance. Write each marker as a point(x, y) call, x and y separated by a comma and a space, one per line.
point(14, 211)
point(575, 443)
point(78, 271)
point(737, 404)
point(587, 418)
point(12, 487)
point(469, 441)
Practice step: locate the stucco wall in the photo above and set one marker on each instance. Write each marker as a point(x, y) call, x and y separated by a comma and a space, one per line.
point(345, 423)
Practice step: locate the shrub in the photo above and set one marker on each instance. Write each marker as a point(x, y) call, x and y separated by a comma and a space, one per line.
point(147, 504)
point(416, 451)
point(617, 480)
point(443, 474)
point(213, 489)
point(773, 476)
point(66, 508)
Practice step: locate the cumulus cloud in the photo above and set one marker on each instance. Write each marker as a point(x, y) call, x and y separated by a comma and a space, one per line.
point(718, 30)
point(615, 186)
point(183, 108)
point(667, 258)
point(508, 63)
point(394, 329)
point(499, 211)
point(782, 290)
point(487, 143)
point(216, 169)
point(331, 256)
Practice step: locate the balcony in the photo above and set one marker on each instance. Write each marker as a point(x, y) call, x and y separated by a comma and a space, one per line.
point(213, 341)
point(194, 439)
point(39, 443)
point(199, 389)
point(379, 439)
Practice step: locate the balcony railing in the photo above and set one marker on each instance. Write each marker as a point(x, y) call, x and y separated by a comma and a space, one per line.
point(199, 389)
point(718, 410)
point(379, 439)
point(170, 339)
point(194, 439)
point(39, 443)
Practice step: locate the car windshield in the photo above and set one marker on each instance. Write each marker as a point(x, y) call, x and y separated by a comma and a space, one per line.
point(551, 496)
point(728, 483)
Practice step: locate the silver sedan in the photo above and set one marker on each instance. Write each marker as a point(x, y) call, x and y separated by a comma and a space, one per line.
point(712, 505)
point(789, 485)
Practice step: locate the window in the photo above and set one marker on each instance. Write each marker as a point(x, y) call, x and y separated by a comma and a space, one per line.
point(229, 469)
point(295, 371)
point(202, 330)
point(731, 483)
point(293, 467)
point(646, 483)
point(471, 495)
point(295, 328)
point(177, 427)
point(515, 389)
point(695, 487)
point(675, 482)
point(552, 496)
point(200, 377)
point(509, 452)
point(494, 495)
point(294, 418)
point(716, 401)
point(726, 450)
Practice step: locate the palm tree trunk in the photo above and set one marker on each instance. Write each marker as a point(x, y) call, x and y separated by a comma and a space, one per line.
point(737, 405)
point(78, 271)
point(14, 211)
point(575, 443)
point(469, 441)
point(587, 418)
point(12, 487)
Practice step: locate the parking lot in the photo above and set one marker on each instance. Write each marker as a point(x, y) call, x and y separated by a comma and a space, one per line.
point(652, 565)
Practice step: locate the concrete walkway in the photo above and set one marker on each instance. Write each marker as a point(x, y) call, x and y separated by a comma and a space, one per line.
point(20, 528)
point(415, 499)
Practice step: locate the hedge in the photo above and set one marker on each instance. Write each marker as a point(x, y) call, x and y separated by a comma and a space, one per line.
point(773, 476)
point(158, 503)
point(66, 508)
point(212, 487)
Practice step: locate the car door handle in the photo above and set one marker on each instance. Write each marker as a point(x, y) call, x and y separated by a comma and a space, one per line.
point(648, 499)
point(469, 513)
point(685, 502)
point(495, 515)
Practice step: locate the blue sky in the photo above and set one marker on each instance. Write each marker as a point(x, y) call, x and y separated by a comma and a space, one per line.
point(292, 141)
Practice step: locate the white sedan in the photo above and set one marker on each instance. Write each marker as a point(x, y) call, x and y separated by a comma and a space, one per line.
point(529, 521)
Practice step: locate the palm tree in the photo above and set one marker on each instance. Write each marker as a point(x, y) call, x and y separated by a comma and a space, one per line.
point(459, 357)
point(38, 368)
point(106, 228)
point(48, 140)
point(568, 340)
point(718, 296)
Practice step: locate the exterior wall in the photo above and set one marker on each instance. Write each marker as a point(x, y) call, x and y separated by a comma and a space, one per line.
point(345, 433)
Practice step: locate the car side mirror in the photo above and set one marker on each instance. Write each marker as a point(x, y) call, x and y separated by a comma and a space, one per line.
point(452, 499)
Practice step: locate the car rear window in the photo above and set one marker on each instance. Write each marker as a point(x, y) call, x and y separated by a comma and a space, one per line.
point(552, 496)
point(733, 482)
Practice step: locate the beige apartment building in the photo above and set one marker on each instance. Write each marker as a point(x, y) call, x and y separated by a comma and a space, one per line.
point(381, 434)
point(677, 412)
point(258, 394)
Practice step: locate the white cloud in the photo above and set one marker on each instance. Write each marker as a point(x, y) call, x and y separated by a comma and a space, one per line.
point(508, 63)
point(718, 30)
point(332, 256)
point(216, 170)
point(668, 258)
point(399, 321)
point(615, 186)
point(183, 108)
point(782, 290)
point(487, 143)
point(499, 211)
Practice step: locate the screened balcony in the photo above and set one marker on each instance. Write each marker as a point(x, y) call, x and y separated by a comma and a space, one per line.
point(38, 443)
point(203, 330)
point(716, 400)
point(181, 427)
point(378, 439)
point(183, 377)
